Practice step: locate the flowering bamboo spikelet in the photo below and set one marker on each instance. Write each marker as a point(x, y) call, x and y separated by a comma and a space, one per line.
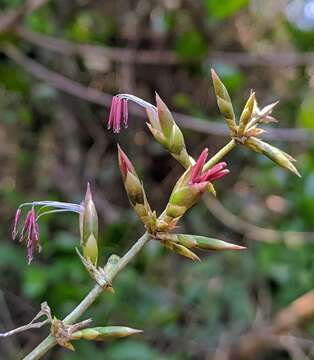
point(279, 157)
point(198, 242)
point(262, 116)
point(189, 189)
point(104, 333)
point(119, 110)
point(29, 232)
point(246, 115)
point(89, 228)
point(161, 124)
point(135, 191)
point(30, 229)
point(247, 132)
point(224, 103)
point(167, 132)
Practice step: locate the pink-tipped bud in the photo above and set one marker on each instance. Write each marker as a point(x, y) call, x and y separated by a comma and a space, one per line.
point(16, 221)
point(89, 228)
point(125, 164)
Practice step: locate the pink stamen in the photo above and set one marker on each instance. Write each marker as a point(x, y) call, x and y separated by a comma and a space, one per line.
point(33, 236)
point(125, 112)
point(26, 225)
point(16, 221)
point(117, 116)
point(214, 173)
point(197, 168)
point(219, 175)
point(111, 114)
point(218, 167)
point(118, 112)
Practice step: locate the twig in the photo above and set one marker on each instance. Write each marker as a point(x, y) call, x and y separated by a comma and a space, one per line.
point(66, 47)
point(162, 57)
point(50, 341)
point(295, 315)
point(252, 231)
point(45, 311)
point(92, 95)
point(11, 17)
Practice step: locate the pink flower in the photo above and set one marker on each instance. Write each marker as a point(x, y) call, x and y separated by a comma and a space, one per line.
point(214, 173)
point(30, 229)
point(119, 110)
point(30, 232)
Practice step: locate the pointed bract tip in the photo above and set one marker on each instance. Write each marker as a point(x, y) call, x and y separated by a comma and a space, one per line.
point(88, 194)
point(235, 247)
point(125, 164)
point(159, 102)
point(213, 73)
point(135, 331)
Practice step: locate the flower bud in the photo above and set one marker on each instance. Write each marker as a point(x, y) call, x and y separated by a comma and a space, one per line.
point(181, 250)
point(224, 103)
point(276, 155)
point(189, 189)
point(166, 132)
point(246, 115)
point(198, 242)
point(104, 333)
point(89, 228)
point(135, 191)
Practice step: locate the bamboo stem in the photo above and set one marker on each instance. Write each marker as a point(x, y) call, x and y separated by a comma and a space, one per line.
point(50, 341)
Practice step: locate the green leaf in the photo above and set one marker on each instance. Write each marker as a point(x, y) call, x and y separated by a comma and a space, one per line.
point(191, 45)
point(35, 282)
point(305, 115)
point(131, 350)
point(222, 9)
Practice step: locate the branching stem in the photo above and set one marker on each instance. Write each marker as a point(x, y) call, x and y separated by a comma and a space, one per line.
point(50, 341)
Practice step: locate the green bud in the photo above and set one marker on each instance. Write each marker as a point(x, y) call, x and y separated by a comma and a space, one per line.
point(165, 117)
point(246, 115)
point(166, 132)
point(186, 197)
point(181, 250)
point(104, 333)
point(203, 242)
point(89, 228)
point(276, 155)
point(198, 242)
point(134, 189)
point(224, 103)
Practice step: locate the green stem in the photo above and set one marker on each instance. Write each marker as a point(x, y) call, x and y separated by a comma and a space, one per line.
point(50, 341)
point(219, 155)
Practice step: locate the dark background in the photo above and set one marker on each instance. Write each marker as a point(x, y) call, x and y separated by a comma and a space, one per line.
point(53, 139)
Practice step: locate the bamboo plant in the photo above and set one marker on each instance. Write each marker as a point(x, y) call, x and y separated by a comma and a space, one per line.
point(197, 178)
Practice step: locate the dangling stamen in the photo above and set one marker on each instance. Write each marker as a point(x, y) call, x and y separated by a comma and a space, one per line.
point(30, 229)
point(119, 110)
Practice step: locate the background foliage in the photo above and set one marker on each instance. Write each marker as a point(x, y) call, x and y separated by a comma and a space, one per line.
point(52, 143)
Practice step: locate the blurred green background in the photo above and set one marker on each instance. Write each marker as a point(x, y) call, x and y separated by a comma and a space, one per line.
point(52, 143)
